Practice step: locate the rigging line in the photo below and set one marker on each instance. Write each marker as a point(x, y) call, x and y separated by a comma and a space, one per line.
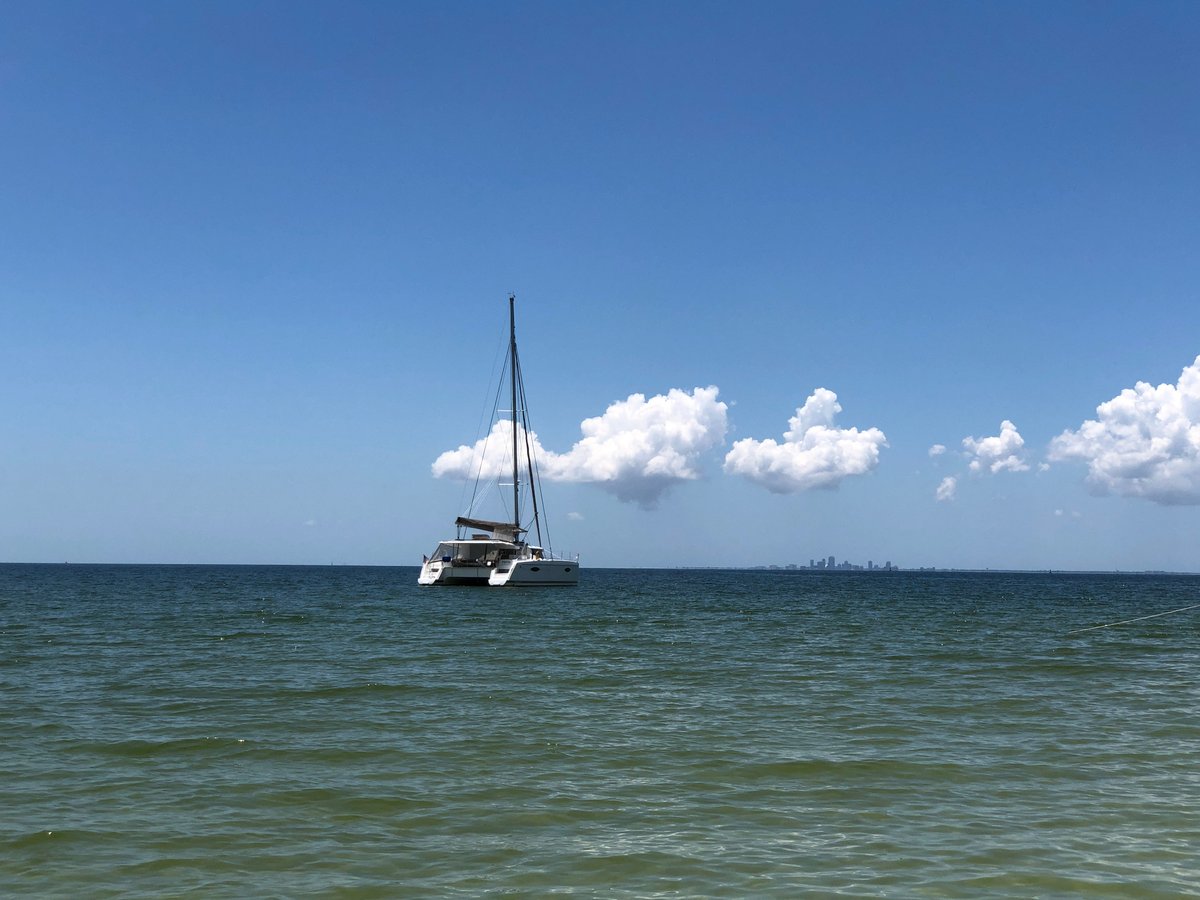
point(539, 501)
point(498, 380)
point(531, 463)
point(1138, 619)
point(486, 439)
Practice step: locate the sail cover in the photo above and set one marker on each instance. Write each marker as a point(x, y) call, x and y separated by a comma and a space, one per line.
point(505, 531)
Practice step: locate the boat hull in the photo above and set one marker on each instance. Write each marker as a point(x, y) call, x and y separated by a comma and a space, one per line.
point(536, 572)
point(437, 572)
point(517, 573)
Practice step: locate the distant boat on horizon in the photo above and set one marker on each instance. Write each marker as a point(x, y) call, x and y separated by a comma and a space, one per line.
point(496, 553)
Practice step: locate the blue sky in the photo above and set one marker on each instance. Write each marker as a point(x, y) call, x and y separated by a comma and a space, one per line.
point(254, 260)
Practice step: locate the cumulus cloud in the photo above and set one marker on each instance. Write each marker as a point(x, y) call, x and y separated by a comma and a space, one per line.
point(814, 454)
point(489, 458)
point(1000, 453)
point(575, 516)
point(1145, 442)
point(637, 449)
point(937, 449)
point(947, 489)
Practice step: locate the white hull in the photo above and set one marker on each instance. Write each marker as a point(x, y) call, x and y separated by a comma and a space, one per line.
point(536, 572)
point(437, 572)
point(514, 573)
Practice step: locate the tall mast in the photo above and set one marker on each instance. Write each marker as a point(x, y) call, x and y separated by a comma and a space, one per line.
point(512, 355)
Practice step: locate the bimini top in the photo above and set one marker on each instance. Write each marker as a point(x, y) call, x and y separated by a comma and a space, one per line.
point(505, 531)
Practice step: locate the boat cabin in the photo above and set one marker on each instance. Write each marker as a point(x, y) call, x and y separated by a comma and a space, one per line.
point(478, 551)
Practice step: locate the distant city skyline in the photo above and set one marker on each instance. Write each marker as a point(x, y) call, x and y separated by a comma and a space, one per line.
point(830, 563)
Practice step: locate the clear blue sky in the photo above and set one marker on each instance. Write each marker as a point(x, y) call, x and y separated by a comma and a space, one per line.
point(254, 260)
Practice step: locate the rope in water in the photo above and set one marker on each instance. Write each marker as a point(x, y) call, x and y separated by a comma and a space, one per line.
point(1138, 619)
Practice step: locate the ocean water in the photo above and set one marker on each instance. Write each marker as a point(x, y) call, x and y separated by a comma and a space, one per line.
point(284, 731)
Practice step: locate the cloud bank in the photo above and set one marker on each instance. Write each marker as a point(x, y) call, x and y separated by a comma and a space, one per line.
point(814, 454)
point(636, 450)
point(1003, 452)
point(1145, 442)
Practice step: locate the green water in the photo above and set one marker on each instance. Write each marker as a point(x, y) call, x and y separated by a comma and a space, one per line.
point(257, 732)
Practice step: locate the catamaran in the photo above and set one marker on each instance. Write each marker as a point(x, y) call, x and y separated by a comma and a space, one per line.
point(499, 553)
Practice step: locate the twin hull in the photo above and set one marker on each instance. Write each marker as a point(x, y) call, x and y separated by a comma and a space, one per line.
point(515, 572)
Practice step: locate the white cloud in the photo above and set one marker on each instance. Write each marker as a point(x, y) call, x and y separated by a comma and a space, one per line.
point(814, 454)
point(947, 489)
point(937, 449)
point(1145, 442)
point(1003, 452)
point(637, 449)
point(490, 458)
point(575, 516)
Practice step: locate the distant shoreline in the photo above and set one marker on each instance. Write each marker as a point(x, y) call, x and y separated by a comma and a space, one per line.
point(937, 570)
point(764, 570)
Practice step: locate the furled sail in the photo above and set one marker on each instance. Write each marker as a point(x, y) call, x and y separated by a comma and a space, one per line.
point(504, 531)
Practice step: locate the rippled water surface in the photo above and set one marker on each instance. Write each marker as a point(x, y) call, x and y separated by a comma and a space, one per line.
point(244, 731)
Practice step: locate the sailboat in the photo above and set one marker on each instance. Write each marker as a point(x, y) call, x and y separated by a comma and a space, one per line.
point(500, 553)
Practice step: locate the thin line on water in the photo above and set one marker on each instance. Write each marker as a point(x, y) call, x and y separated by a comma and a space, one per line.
point(1138, 619)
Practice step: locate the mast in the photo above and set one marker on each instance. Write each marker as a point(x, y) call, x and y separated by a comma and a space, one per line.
point(512, 355)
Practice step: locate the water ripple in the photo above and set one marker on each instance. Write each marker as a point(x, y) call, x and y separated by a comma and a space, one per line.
point(279, 731)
